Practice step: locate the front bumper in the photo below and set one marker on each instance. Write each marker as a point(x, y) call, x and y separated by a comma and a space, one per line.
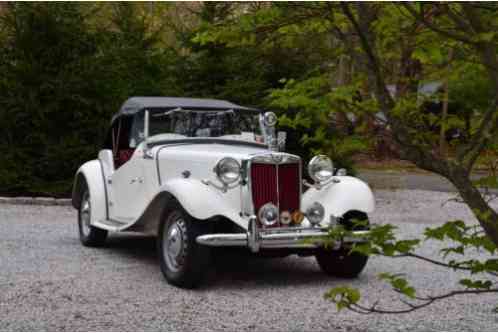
point(281, 238)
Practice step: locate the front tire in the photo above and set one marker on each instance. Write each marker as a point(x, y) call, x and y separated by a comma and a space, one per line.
point(340, 262)
point(184, 263)
point(89, 235)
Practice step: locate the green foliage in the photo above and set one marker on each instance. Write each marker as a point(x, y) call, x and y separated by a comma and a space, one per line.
point(343, 296)
point(465, 240)
point(311, 107)
point(399, 284)
point(63, 76)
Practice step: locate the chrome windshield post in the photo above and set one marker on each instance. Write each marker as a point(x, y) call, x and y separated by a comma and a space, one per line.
point(147, 152)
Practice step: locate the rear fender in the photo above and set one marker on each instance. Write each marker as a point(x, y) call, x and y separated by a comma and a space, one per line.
point(91, 174)
point(338, 198)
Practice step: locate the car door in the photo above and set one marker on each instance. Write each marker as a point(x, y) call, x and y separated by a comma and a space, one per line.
point(126, 188)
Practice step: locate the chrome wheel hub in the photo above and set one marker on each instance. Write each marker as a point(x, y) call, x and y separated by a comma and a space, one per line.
point(85, 215)
point(174, 245)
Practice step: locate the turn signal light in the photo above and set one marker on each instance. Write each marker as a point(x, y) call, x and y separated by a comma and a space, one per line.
point(297, 217)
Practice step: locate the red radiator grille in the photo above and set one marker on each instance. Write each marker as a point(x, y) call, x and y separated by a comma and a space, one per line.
point(264, 185)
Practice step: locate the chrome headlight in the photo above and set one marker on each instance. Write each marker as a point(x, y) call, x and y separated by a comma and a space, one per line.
point(315, 213)
point(227, 170)
point(320, 168)
point(268, 214)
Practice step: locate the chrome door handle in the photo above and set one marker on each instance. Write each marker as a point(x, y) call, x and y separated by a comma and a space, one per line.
point(138, 179)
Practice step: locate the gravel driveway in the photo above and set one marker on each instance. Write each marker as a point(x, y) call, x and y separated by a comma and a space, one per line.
point(48, 281)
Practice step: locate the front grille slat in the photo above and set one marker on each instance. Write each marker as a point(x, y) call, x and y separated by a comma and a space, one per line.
point(264, 185)
point(288, 178)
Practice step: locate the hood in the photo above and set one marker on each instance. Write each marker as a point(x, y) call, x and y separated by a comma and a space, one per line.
point(196, 152)
point(199, 159)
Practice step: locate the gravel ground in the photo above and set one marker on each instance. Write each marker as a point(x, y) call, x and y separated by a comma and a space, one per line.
point(48, 281)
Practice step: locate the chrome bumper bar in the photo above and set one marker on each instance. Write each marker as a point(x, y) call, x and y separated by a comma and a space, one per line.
point(280, 238)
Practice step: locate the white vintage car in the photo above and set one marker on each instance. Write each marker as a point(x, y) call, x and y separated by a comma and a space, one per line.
point(203, 173)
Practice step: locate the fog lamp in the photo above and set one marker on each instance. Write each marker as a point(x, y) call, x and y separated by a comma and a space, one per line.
point(315, 213)
point(285, 218)
point(297, 217)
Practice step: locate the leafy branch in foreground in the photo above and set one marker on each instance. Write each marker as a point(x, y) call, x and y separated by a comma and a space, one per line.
point(459, 241)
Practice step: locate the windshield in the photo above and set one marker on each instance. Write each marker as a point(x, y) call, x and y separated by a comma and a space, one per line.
point(177, 124)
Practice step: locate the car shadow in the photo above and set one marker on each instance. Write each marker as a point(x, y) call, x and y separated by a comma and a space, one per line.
point(132, 246)
point(231, 268)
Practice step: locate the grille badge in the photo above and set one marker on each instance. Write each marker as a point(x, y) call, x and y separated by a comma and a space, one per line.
point(277, 158)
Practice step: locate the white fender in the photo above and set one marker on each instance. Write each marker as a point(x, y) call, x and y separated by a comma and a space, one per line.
point(203, 202)
point(92, 172)
point(338, 198)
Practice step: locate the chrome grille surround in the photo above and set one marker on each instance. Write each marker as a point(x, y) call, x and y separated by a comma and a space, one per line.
point(273, 158)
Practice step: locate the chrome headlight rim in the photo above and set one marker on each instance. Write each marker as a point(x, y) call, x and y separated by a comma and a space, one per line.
point(321, 168)
point(270, 119)
point(227, 170)
point(263, 217)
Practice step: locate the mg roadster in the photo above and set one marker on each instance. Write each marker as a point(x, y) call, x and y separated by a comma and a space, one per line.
point(204, 173)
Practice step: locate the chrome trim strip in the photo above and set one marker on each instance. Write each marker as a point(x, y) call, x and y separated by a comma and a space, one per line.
point(249, 185)
point(206, 140)
point(105, 189)
point(300, 183)
point(277, 186)
point(268, 158)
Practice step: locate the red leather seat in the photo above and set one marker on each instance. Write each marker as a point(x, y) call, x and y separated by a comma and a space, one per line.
point(123, 156)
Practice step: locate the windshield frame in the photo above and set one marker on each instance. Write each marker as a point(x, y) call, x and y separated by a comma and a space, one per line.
point(147, 114)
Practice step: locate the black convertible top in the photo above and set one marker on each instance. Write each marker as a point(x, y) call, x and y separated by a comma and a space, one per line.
point(136, 104)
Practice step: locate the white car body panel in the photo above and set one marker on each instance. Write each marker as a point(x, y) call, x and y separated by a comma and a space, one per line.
point(203, 202)
point(92, 173)
point(347, 194)
point(126, 191)
point(200, 200)
point(130, 190)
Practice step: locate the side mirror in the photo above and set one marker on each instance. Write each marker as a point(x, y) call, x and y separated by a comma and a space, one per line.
point(281, 139)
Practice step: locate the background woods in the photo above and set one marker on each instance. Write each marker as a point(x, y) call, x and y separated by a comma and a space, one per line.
point(66, 68)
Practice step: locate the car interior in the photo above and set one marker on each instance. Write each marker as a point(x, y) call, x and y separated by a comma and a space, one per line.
point(118, 140)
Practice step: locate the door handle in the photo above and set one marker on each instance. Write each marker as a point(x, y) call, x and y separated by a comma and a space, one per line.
point(137, 179)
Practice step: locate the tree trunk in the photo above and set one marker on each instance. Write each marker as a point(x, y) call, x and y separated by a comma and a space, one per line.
point(484, 213)
point(444, 116)
point(458, 174)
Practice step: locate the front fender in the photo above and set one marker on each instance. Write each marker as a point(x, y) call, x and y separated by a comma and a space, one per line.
point(338, 198)
point(91, 174)
point(203, 202)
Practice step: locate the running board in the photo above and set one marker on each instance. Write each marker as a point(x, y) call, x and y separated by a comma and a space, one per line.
point(111, 225)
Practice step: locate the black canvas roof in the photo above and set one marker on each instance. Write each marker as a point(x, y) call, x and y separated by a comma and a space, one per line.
point(135, 104)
